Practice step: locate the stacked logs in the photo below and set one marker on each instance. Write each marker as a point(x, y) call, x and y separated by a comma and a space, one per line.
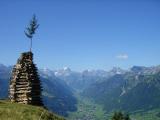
point(25, 86)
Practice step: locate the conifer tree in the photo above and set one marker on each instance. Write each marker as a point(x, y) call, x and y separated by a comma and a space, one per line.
point(127, 117)
point(120, 116)
point(117, 116)
point(31, 29)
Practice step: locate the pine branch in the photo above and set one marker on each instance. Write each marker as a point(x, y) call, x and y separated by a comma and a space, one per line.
point(31, 29)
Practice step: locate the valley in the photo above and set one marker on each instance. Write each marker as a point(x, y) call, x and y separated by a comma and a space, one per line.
point(87, 110)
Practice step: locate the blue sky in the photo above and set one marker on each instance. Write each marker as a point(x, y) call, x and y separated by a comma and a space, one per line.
point(82, 34)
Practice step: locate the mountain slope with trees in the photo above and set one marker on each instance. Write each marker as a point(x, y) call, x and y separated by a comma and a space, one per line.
point(129, 92)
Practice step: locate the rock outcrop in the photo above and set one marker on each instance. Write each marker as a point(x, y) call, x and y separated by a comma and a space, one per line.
point(25, 86)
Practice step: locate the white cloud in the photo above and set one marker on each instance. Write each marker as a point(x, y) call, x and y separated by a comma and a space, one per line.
point(122, 56)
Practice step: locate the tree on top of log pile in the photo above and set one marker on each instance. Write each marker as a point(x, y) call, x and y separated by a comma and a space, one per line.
point(31, 29)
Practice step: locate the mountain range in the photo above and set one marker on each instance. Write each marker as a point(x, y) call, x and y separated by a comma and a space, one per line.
point(137, 88)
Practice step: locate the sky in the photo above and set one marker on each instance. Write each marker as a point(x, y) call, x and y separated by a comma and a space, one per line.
point(82, 34)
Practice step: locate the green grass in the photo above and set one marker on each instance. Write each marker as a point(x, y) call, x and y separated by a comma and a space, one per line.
point(15, 111)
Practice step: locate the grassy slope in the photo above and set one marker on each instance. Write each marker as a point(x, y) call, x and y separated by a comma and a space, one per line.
point(14, 111)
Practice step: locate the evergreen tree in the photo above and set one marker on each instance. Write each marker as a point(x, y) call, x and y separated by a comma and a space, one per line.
point(127, 117)
point(30, 30)
point(120, 116)
point(117, 116)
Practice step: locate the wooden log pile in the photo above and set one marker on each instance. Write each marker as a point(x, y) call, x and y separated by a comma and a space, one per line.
point(25, 86)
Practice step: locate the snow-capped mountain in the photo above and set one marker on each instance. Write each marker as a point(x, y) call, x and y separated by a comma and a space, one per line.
point(117, 70)
point(66, 71)
point(81, 80)
point(145, 70)
point(47, 73)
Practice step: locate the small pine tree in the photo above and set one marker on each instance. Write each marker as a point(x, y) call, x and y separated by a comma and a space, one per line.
point(127, 117)
point(30, 30)
point(120, 116)
point(117, 116)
